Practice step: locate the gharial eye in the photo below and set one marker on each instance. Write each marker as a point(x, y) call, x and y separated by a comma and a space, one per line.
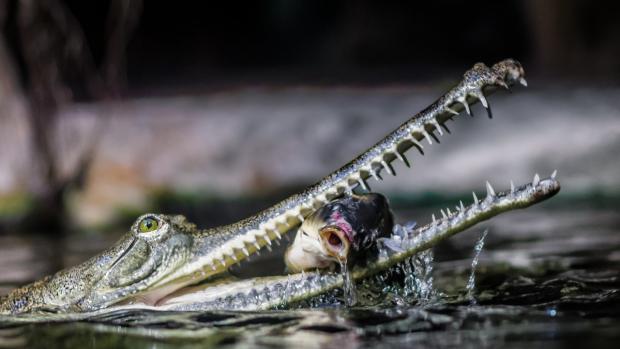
point(148, 224)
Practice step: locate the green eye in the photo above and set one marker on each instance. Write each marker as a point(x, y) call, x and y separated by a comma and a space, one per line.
point(148, 224)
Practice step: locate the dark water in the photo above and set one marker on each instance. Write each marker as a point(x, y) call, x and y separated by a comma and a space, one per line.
point(547, 277)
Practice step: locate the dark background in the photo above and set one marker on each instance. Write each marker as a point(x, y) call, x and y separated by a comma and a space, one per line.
point(62, 61)
point(196, 44)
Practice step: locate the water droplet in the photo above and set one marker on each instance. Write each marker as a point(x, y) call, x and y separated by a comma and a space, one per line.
point(350, 295)
point(471, 283)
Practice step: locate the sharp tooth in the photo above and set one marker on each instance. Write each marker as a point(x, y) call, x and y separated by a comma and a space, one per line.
point(257, 245)
point(443, 214)
point(402, 158)
point(427, 136)
point(245, 252)
point(375, 174)
point(233, 256)
point(523, 82)
point(433, 215)
point(482, 100)
point(462, 206)
point(363, 183)
point(417, 144)
point(555, 173)
point(213, 267)
point(451, 111)
point(466, 105)
point(269, 248)
point(490, 191)
point(449, 212)
point(267, 240)
point(278, 235)
point(536, 180)
point(388, 167)
point(222, 261)
point(300, 217)
point(485, 104)
point(502, 83)
point(438, 127)
point(475, 198)
point(512, 187)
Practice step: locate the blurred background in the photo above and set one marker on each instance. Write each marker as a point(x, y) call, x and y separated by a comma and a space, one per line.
point(216, 110)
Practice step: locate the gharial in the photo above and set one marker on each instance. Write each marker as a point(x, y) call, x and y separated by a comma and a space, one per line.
point(156, 264)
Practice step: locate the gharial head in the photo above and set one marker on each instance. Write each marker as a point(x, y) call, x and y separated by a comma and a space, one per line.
point(341, 231)
point(155, 246)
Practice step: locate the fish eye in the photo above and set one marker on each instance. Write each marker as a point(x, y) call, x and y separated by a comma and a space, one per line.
point(148, 225)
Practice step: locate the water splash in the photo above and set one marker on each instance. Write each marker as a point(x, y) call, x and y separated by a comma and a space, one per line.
point(416, 283)
point(348, 285)
point(422, 277)
point(471, 283)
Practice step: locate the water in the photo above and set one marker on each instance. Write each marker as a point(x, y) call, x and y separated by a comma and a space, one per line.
point(549, 278)
point(349, 291)
point(471, 282)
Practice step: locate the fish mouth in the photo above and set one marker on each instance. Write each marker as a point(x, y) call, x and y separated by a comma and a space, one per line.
point(335, 241)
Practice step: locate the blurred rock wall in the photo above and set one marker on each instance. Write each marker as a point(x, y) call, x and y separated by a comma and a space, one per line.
point(250, 140)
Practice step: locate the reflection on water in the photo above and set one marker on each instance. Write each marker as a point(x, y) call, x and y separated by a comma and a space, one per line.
point(544, 278)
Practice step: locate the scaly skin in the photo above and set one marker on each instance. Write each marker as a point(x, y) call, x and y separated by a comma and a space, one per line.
point(146, 267)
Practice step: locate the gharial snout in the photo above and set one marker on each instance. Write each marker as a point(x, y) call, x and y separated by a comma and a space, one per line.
point(340, 232)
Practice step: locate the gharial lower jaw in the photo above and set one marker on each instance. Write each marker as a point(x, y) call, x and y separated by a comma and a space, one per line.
point(254, 233)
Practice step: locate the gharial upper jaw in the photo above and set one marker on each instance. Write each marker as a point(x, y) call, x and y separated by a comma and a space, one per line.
point(238, 241)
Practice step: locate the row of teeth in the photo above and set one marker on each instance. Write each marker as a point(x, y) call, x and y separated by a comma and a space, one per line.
point(383, 161)
point(271, 231)
point(489, 197)
point(273, 294)
point(404, 234)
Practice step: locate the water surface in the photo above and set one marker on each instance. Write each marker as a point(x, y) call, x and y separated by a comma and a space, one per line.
point(546, 277)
